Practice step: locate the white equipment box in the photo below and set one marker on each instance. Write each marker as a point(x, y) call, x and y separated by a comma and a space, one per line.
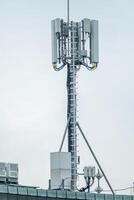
point(12, 173)
point(61, 170)
point(8, 173)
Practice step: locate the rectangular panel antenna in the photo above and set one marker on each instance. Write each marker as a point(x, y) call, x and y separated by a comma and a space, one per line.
point(94, 54)
point(54, 42)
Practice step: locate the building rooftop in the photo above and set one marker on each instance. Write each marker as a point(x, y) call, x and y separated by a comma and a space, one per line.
point(27, 191)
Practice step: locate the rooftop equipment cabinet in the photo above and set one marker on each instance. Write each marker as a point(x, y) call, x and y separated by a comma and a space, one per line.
point(61, 170)
point(12, 173)
point(9, 173)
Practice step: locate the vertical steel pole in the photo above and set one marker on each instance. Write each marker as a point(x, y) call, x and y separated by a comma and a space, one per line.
point(68, 23)
point(68, 11)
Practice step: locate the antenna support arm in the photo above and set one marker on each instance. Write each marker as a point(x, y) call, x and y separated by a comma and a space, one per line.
point(56, 68)
point(94, 66)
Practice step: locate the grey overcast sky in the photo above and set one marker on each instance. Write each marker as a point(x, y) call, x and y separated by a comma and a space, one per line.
point(33, 96)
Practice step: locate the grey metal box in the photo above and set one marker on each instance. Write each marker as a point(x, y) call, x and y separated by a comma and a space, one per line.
point(60, 170)
point(12, 173)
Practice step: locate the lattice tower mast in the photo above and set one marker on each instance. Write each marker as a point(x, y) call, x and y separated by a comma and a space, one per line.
point(74, 44)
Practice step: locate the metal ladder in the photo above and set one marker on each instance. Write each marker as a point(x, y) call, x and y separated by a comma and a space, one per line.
point(72, 103)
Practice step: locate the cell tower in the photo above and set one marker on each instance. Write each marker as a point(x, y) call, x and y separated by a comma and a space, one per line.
point(74, 45)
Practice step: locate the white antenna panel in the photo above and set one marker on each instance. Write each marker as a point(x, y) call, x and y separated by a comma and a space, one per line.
point(94, 56)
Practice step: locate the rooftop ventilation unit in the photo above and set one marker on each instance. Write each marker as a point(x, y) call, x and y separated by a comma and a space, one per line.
point(12, 173)
point(8, 173)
